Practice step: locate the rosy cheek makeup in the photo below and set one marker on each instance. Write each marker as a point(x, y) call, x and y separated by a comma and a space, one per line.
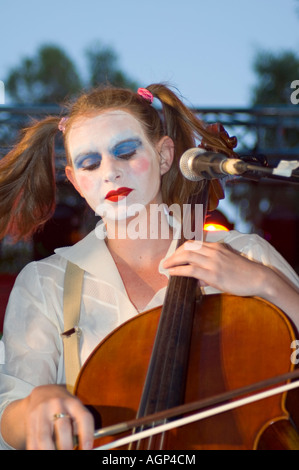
point(141, 165)
point(85, 181)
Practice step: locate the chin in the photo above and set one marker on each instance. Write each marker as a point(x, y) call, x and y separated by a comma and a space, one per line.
point(116, 211)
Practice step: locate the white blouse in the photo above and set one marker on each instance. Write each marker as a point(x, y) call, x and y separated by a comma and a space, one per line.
point(31, 350)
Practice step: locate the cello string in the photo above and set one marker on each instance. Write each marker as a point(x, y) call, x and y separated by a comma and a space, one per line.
point(175, 329)
point(199, 416)
point(168, 347)
point(172, 317)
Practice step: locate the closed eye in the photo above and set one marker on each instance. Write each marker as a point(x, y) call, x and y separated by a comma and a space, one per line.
point(126, 156)
point(126, 149)
point(88, 162)
point(92, 166)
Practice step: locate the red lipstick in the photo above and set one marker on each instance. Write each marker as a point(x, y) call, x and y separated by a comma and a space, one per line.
point(119, 194)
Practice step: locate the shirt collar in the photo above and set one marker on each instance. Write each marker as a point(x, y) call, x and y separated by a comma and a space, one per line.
point(92, 255)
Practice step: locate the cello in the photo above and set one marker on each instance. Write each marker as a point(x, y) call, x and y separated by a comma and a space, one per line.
point(192, 348)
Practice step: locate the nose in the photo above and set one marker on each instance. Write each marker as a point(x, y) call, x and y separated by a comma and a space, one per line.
point(110, 169)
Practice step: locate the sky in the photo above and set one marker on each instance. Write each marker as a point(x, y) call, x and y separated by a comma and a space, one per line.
point(203, 48)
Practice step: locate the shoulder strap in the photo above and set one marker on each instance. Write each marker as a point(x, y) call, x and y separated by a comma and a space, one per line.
point(73, 282)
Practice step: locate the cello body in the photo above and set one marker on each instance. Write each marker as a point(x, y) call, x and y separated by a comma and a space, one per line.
point(235, 342)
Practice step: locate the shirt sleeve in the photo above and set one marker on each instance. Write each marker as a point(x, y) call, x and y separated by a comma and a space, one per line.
point(31, 348)
point(257, 249)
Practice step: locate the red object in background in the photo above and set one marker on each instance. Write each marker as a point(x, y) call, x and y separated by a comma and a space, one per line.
point(6, 284)
point(215, 227)
point(216, 220)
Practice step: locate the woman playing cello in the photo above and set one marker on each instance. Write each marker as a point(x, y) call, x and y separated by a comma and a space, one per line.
point(121, 153)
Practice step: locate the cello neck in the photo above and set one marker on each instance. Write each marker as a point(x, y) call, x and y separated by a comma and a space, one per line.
point(165, 382)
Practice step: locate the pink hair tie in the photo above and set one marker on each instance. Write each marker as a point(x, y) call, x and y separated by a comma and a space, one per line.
point(147, 95)
point(62, 123)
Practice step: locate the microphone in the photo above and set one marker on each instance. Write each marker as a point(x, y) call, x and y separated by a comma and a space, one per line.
point(197, 164)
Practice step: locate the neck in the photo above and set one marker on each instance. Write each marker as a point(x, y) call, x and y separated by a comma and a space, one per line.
point(141, 238)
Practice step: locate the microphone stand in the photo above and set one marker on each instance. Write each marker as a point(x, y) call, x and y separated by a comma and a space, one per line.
point(256, 167)
point(197, 164)
point(255, 173)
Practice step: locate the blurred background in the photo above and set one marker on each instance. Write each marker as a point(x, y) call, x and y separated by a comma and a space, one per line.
point(232, 61)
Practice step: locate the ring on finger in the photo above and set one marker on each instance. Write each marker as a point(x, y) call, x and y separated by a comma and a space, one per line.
point(61, 416)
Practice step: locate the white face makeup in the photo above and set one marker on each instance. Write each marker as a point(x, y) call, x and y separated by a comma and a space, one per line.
point(114, 165)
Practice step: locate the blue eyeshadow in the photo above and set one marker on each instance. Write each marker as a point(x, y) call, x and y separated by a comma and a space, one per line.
point(126, 147)
point(83, 161)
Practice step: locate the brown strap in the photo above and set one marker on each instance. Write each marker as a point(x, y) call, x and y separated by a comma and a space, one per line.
point(73, 282)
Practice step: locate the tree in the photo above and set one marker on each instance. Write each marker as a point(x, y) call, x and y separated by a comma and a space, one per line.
point(274, 72)
point(51, 77)
point(48, 77)
point(272, 208)
point(103, 68)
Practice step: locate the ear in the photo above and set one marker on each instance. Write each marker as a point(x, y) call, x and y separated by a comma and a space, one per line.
point(69, 171)
point(165, 149)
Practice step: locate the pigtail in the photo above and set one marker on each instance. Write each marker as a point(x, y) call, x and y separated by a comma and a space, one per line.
point(27, 181)
point(186, 130)
point(176, 118)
